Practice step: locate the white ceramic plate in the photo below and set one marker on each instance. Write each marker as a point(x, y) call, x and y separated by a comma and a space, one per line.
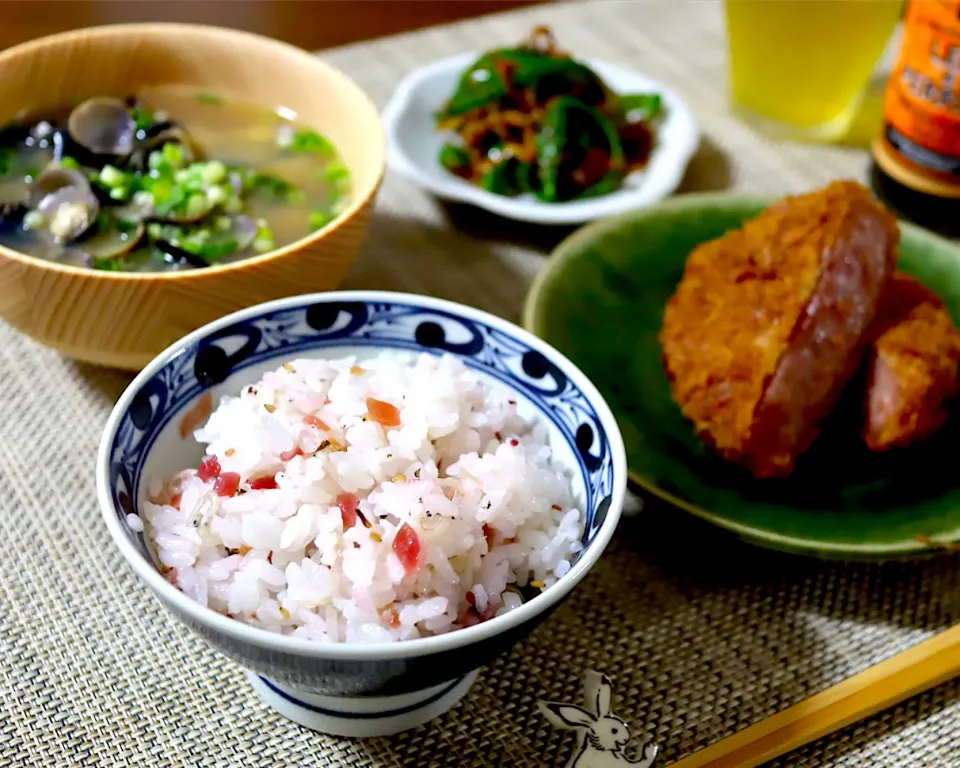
point(413, 147)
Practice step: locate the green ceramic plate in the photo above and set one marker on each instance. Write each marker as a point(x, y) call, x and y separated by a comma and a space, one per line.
point(600, 300)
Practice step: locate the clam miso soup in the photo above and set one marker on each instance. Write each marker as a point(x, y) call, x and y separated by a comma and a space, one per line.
point(170, 179)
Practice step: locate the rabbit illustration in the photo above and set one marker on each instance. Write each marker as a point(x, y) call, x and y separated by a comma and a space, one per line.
point(602, 736)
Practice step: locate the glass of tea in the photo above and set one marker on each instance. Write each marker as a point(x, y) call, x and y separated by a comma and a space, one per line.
point(799, 67)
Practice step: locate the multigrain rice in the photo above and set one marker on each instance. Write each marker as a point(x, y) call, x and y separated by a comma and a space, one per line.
point(384, 500)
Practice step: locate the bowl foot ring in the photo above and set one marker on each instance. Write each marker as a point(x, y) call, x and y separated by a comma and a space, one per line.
point(361, 717)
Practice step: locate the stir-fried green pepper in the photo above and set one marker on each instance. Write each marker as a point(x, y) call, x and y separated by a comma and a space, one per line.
point(510, 177)
point(528, 179)
point(455, 159)
point(570, 128)
point(483, 82)
point(641, 106)
point(585, 137)
point(501, 178)
point(611, 182)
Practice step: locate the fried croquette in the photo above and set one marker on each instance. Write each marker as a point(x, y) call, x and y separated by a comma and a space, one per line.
point(912, 366)
point(770, 322)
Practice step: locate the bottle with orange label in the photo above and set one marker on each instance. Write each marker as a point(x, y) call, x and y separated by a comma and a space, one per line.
point(916, 168)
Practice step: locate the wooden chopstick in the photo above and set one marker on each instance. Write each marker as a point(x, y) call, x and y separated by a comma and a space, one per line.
point(913, 671)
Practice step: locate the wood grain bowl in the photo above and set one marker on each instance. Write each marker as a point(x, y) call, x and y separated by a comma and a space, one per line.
point(124, 319)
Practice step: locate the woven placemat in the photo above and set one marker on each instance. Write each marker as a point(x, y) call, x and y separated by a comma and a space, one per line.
point(702, 636)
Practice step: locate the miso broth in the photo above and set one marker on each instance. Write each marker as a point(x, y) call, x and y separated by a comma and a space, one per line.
point(168, 179)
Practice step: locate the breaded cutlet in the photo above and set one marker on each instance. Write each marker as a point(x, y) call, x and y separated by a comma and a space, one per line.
point(770, 321)
point(913, 366)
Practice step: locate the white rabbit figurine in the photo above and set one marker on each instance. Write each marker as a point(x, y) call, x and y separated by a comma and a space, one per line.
point(602, 736)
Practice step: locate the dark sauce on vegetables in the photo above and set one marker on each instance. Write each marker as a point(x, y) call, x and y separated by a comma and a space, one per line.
point(532, 119)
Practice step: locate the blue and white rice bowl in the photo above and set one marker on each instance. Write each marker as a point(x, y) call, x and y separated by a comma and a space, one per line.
point(338, 628)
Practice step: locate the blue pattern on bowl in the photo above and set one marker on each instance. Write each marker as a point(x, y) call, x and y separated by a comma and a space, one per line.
point(381, 325)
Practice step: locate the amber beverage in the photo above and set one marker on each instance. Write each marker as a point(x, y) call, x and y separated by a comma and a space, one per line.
point(799, 67)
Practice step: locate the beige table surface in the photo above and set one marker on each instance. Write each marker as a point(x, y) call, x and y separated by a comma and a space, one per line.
point(702, 637)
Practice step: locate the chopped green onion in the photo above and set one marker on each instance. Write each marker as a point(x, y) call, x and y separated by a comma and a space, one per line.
point(271, 184)
point(319, 219)
point(336, 172)
point(173, 154)
point(223, 223)
point(119, 193)
point(69, 162)
point(200, 240)
point(142, 117)
point(177, 201)
point(264, 240)
point(108, 264)
point(216, 195)
point(157, 162)
point(309, 142)
point(197, 205)
point(143, 198)
point(155, 230)
point(34, 220)
point(194, 181)
point(112, 177)
point(242, 171)
point(215, 251)
point(167, 196)
point(340, 182)
point(213, 172)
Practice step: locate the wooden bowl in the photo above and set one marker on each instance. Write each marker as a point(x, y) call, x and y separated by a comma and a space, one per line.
point(124, 319)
